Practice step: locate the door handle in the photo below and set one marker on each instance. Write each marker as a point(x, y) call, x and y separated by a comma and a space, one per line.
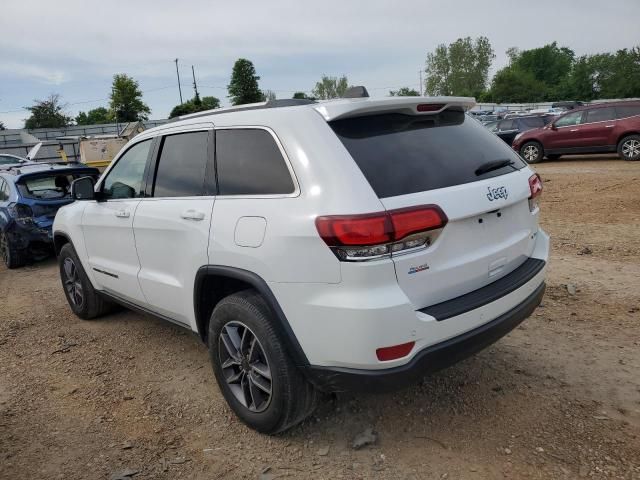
point(192, 215)
point(123, 214)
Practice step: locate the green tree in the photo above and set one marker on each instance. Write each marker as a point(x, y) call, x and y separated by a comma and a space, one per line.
point(269, 95)
point(301, 96)
point(330, 87)
point(513, 85)
point(195, 105)
point(2, 127)
point(243, 87)
point(47, 113)
point(460, 68)
point(404, 92)
point(93, 117)
point(126, 100)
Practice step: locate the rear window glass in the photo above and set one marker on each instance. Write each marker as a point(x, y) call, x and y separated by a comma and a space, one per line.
point(401, 154)
point(532, 122)
point(50, 187)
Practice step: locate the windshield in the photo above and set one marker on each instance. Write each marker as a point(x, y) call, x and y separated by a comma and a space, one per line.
point(401, 154)
point(49, 187)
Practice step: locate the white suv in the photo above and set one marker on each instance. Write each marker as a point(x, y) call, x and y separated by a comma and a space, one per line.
point(355, 244)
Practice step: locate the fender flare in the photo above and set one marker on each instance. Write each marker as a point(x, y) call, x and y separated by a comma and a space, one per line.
point(281, 323)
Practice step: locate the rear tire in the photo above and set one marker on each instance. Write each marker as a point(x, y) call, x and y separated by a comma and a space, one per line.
point(255, 375)
point(629, 148)
point(11, 256)
point(532, 152)
point(553, 156)
point(83, 299)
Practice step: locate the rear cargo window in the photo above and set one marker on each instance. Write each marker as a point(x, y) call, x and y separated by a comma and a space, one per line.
point(50, 187)
point(401, 154)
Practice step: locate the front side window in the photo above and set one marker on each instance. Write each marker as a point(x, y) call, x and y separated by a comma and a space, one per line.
point(125, 178)
point(599, 115)
point(507, 125)
point(182, 165)
point(569, 119)
point(249, 162)
point(4, 190)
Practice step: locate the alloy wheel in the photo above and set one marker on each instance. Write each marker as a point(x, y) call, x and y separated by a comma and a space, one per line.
point(72, 282)
point(530, 152)
point(245, 366)
point(631, 148)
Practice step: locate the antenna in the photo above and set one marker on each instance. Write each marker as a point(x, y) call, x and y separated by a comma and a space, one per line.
point(178, 74)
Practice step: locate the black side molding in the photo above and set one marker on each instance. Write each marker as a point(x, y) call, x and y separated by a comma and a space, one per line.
point(487, 294)
point(282, 324)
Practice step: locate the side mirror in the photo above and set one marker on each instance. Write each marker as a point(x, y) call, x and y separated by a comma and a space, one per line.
point(83, 189)
point(553, 127)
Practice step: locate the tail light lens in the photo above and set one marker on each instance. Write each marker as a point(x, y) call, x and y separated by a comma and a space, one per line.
point(535, 188)
point(394, 352)
point(370, 236)
point(21, 213)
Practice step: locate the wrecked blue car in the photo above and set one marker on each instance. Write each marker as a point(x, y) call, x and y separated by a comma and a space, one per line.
point(30, 195)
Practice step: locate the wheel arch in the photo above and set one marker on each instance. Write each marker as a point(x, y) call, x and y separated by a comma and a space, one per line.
point(214, 282)
point(60, 239)
point(622, 136)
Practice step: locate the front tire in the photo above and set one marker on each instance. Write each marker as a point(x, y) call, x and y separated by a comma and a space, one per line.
point(255, 375)
point(11, 256)
point(629, 148)
point(83, 299)
point(532, 152)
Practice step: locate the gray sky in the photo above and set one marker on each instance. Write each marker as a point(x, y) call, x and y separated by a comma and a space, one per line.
point(74, 47)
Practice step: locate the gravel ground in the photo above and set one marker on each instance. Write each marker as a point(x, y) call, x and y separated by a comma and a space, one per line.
point(557, 398)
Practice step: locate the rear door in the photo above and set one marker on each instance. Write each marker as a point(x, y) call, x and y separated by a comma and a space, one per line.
point(172, 222)
point(597, 129)
point(507, 130)
point(434, 160)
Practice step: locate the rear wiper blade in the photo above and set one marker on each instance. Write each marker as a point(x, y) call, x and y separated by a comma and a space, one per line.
point(493, 165)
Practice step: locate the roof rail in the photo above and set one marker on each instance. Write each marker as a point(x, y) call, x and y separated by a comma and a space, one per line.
point(277, 103)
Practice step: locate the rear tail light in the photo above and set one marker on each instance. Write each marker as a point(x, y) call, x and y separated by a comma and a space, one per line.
point(535, 189)
point(430, 107)
point(394, 352)
point(21, 213)
point(370, 236)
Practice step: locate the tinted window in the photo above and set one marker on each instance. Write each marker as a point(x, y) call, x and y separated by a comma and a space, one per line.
point(8, 160)
point(125, 178)
point(250, 163)
point(573, 118)
point(182, 165)
point(599, 115)
point(400, 154)
point(625, 111)
point(531, 122)
point(51, 187)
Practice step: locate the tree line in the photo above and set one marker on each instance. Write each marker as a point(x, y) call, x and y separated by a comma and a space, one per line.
point(460, 68)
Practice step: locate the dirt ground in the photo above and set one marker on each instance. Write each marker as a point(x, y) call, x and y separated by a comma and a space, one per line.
point(557, 398)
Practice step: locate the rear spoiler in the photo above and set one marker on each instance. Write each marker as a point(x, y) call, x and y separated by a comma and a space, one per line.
point(358, 107)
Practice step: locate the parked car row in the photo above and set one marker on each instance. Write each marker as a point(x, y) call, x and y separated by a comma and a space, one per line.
point(599, 128)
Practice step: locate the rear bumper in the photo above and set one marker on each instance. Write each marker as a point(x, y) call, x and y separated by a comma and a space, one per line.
point(426, 361)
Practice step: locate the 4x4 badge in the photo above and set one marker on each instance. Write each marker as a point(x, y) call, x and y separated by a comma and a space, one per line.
point(496, 193)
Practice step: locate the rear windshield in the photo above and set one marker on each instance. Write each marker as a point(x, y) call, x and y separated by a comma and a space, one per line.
point(49, 187)
point(401, 154)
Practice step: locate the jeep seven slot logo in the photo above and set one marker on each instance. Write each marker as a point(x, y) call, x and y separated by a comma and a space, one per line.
point(496, 193)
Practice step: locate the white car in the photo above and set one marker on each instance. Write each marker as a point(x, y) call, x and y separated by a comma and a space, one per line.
point(354, 244)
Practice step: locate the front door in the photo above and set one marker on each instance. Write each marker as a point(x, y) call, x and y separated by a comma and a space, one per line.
point(172, 224)
point(107, 225)
point(565, 132)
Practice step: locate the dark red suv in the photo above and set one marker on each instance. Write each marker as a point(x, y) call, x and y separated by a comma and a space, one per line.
point(598, 128)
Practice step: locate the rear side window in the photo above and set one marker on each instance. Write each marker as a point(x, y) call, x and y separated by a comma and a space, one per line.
point(624, 111)
point(182, 165)
point(599, 115)
point(401, 154)
point(249, 162)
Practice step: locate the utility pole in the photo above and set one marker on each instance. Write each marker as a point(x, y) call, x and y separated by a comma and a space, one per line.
point(195, 87)
point(420, 73)
point(178, 74)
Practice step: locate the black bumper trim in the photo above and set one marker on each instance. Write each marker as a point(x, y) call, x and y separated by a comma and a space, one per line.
point(487, 294)
point(428, 360)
